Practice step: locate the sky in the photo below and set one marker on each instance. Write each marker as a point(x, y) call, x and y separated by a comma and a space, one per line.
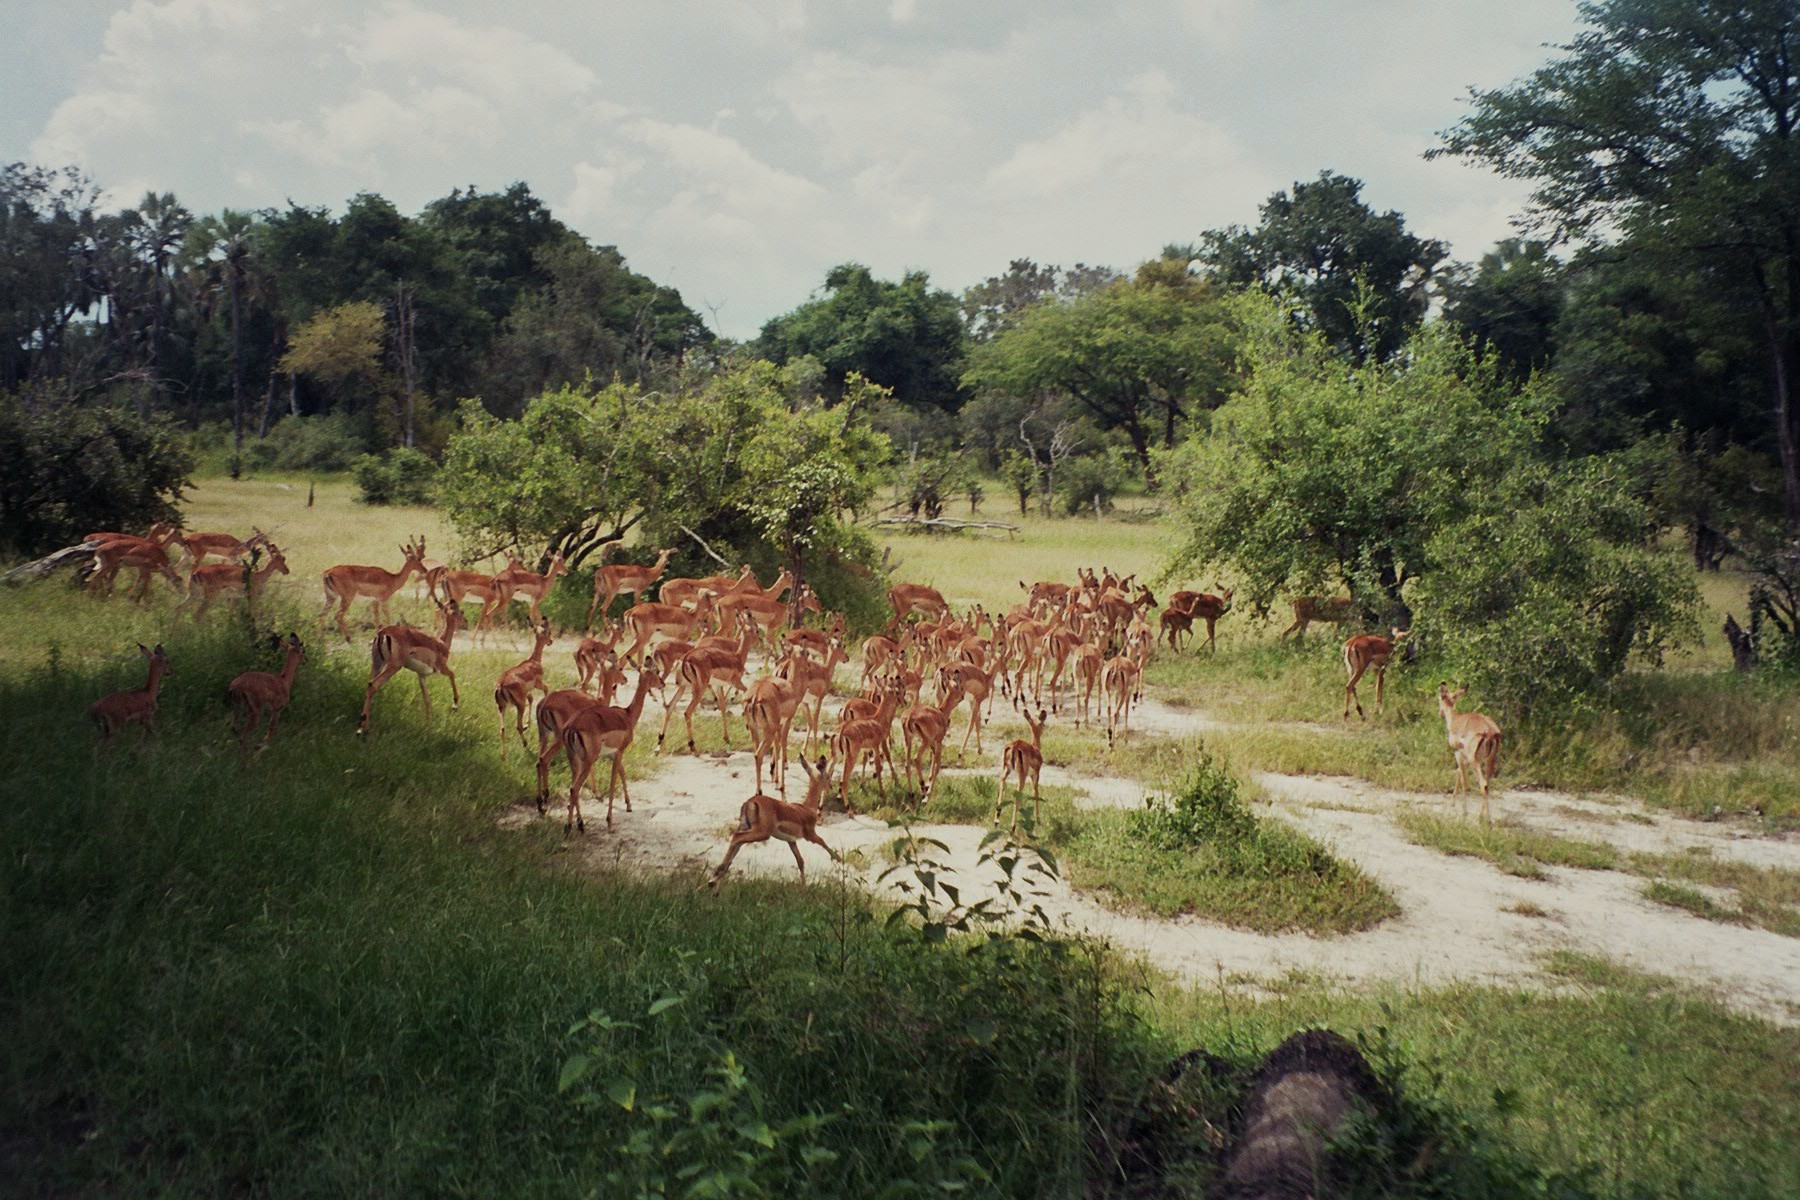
point(738, 149)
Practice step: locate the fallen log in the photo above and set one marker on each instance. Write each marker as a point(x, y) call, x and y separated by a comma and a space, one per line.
point(70, 557)
point(1300, 1098)
point(949, 524)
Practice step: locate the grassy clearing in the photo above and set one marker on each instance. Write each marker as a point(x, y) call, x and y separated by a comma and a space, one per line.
point(334, 975)
point(1625, 1086)
point(1768, 897)
point(1515, 850)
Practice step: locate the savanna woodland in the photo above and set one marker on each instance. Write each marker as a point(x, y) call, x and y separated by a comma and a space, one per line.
point(1158, 665)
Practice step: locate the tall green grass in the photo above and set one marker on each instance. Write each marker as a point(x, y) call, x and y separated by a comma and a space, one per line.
point(328, 973)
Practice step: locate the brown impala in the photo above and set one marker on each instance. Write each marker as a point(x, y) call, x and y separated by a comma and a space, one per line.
point(346, 584)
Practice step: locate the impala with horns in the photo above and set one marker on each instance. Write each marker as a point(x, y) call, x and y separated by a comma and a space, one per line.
point(346, 584)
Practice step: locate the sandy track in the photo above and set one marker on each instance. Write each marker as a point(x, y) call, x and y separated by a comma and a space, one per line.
point(1454, 925)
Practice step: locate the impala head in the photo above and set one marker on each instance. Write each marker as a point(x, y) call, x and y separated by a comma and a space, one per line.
point(1447, 699)
point(415, 554)
point(155, 657)
point(454, 618)
point(1400, 635)
point(809, 601)
point(277, 560)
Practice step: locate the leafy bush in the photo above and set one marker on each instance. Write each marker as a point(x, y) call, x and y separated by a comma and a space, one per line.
point(327, 443)
point(1207, 808)
point(1092, 478)
point(402, 475)
point(67, 470)
point(1544, 594)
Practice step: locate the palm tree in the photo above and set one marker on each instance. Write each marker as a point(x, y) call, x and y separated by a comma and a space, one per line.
point(224, 248)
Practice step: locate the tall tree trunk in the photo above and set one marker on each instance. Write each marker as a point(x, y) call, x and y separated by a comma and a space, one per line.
point(237, 381)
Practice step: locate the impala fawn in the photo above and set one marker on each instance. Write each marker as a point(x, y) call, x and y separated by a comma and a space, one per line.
point(136, 706)
point(763, 817)
point(1022, 758)
point(1475, 743)
point(256, 694)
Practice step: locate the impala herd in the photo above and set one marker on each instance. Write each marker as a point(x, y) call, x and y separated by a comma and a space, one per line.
point(1078, 649)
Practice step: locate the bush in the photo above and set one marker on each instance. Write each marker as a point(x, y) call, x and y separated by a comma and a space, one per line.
point(1091, 479)
point(325, 443)
point(67, 470)
point(402, 475)
point(1206, 809)
point(1544, 595)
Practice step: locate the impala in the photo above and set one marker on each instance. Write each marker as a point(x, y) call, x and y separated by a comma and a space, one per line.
point(1475, 744)
point(763, 817)
point(401, 647)
point(1363, 652)
point(1336, 610)
point(147, 558)
point(1205, 607)
point(594, 732)
point(1022, 758)
point(625, 579)
point(135, 706)
point(978, 686)
point(646, 620)
point(714, 668)
point(346, 584)
point(861, 736)
point(515, 582)
point(909, 598)
point(518, 682)
point(687, 592)
point(162, 533)
point(594, 655)
point(923, 730)
point(1118, 683)
point(769, 708)
point(223, 545)
point(209, 581)
point(814, 679)
point(256, 694)
point(1090, 661)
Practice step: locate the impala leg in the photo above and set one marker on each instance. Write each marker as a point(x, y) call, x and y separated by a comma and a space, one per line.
point(668, 715)
point(269, 734)
point(375, 683)
point(738, 842)
point(546, 755)
point(724, 715)
point(798, 861)
point(1380, 684)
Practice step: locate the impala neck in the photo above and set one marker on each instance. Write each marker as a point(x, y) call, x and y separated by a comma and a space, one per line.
point(636, 707)
point(154, 682)
point(290, 667)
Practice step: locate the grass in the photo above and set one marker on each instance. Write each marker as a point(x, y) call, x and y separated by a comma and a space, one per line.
point(332, 973)
point(1768, 897)
point(1623, 1085)
point(1515, 850)
point(1265, 876)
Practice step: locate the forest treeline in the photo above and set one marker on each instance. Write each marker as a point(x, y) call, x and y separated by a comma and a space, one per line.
point(1641, 336)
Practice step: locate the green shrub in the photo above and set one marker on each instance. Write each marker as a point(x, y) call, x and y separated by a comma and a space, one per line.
point(1093, 478)
point(67, 470)
point(1206, 809)
point(325, 443)
point(402, 475)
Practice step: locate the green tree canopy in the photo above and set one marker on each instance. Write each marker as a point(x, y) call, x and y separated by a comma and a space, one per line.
point(1359, 277)
point(1139, 356)
point(906, 337)
point(1674, 124)
point(726, 459)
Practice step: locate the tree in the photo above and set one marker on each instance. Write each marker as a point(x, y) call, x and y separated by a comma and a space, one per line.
point(340, 349)
point(724, 459)
point(1674, 124)
point(225, 249)
point(906, 337)
point(1324, 246)
point(1139, 356)
point(1510, 304)
point(1315, 476)
point(1426, 479)
point(996, 302)
point(46, 226)
point(68, 469)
